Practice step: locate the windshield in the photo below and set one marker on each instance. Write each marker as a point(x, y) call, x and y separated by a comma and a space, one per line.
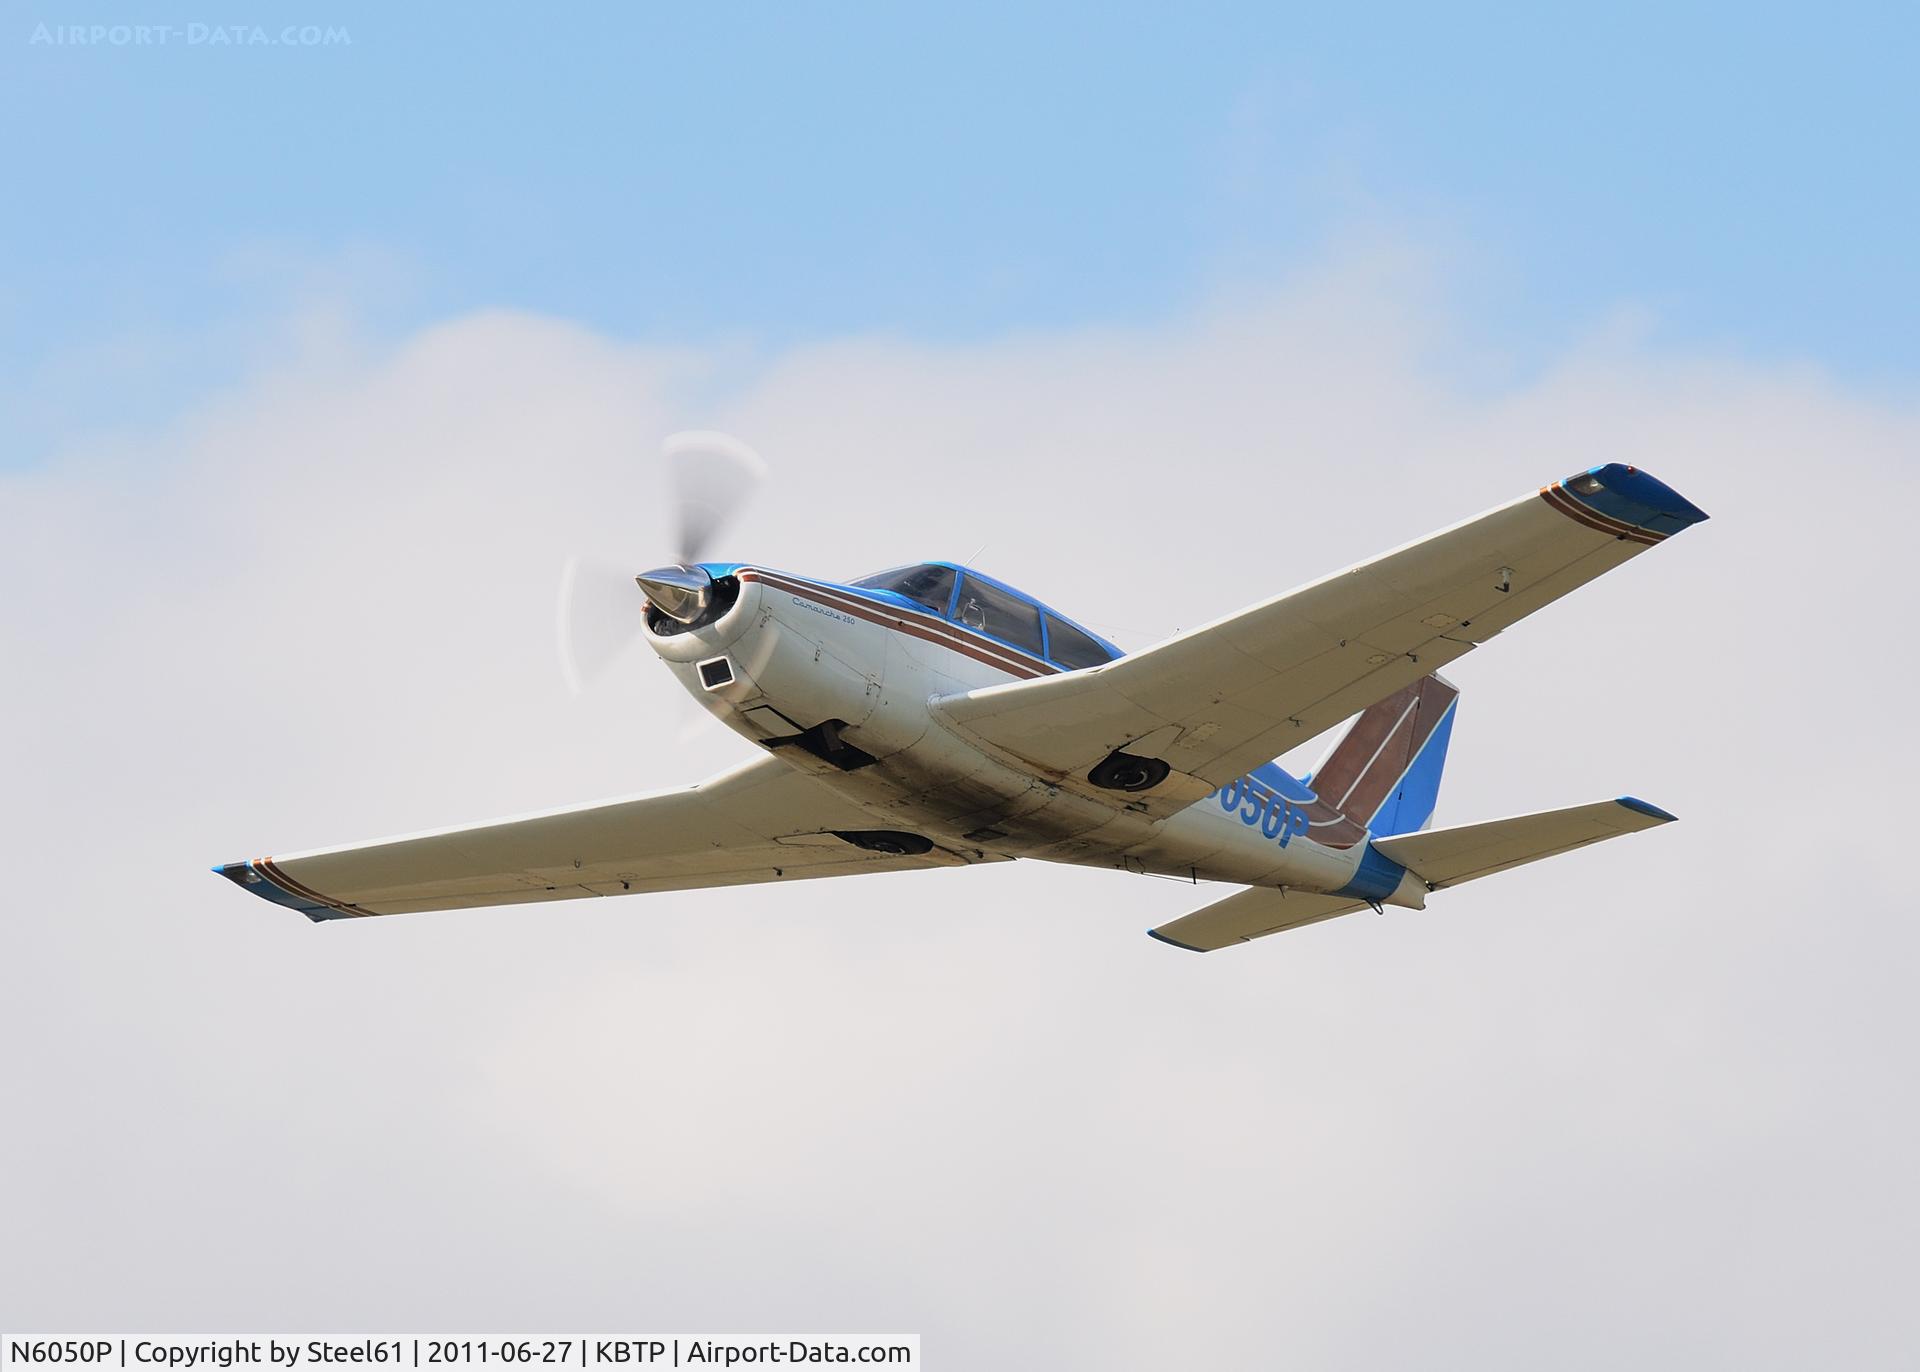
point(926, 584)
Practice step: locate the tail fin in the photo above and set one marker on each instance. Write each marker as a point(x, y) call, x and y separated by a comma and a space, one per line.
point(1384, 774)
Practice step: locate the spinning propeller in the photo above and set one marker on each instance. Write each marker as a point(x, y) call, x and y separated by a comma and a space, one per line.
point(711, 475)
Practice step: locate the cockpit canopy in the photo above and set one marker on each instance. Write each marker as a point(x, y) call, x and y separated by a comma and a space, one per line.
point(967, 598)
point(929, 584)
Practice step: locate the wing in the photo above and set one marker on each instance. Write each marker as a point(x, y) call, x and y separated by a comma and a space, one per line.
point(762, 821)
point(1215, 702)
point(1447, 857)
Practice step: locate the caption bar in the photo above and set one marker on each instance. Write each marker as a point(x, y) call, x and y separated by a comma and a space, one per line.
point(386, 1355)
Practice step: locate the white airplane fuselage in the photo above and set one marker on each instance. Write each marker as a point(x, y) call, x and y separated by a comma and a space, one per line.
point(791, 654)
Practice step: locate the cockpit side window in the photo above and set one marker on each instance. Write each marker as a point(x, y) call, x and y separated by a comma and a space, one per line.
point(928, 585)
point(1072, 647)
point(993, 611)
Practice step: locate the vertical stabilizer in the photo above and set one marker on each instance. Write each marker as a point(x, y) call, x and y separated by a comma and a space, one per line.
point(1384, 774)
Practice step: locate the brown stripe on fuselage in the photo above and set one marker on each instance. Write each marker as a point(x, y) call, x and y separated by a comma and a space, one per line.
point(940, 632)
point(1559, 500)
point(928, 626)
point(1330, 829)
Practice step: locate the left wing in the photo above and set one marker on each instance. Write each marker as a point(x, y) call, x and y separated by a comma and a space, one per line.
point(762, 821)
point(1215, 702)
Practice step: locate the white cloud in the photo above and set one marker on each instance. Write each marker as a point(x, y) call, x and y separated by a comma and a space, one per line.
point(1647, 1100)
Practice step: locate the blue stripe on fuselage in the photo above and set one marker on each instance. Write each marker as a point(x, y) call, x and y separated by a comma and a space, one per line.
point(1376, 878)
point(1283, 783)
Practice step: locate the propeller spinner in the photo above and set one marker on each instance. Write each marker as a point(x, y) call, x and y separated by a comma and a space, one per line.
point(712, 476)
point(681, 592)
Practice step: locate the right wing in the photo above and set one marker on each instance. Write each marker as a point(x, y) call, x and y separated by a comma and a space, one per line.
point(762, 821)
point(1216, 702)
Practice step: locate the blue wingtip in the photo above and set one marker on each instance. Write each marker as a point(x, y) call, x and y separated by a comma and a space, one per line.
point(1173, 942)
point(1638, 498)
point(248, 878)
point(1634, 803)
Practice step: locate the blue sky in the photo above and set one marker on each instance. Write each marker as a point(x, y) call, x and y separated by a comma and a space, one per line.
point(1742, 176)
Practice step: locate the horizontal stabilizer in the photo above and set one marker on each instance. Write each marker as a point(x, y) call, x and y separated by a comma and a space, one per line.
point(1447, 857)
point(1253, 912)
point(1440, 857)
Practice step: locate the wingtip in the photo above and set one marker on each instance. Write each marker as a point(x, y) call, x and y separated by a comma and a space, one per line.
point(1628, 496)
point(1653, 811)
point(248, 877)
point(1173, 942)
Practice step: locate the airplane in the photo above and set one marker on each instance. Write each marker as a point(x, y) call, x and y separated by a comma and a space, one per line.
point(932, 716)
